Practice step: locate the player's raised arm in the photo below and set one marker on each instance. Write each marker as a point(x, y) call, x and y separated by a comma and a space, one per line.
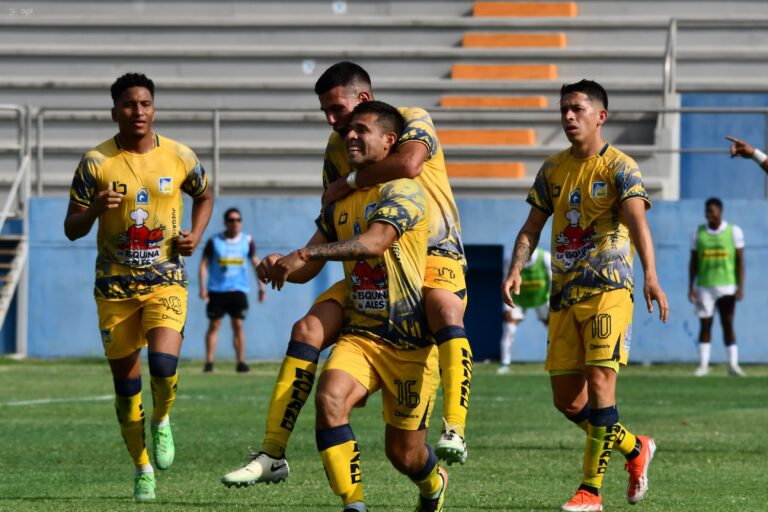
point(526, 242)
point(744, 150)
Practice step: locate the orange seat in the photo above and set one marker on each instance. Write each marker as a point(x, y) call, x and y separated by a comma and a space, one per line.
point(486, 170)
point(493, 102)
point(504, 71)
point(490, 40)
point(527, 9)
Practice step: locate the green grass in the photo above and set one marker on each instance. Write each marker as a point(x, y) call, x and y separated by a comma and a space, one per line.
point(524, 456)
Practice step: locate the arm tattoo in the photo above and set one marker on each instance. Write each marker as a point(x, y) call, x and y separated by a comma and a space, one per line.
point(525, 244)
point(352, 249)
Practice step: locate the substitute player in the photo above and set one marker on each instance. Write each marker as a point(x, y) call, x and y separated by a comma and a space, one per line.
point(716, 279)
point(380, 233)
point(534, 294)
point(596, 197)
point(418, 155)
point(132, 184)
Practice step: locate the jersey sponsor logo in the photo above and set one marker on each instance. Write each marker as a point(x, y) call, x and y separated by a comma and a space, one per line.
point(599, 190)
point(139, 245)
point(574, 198)
point(356, 228)
point(142, 197)
point(369, 287)
point(165, 185)
point(343, 218)
point(574, 243)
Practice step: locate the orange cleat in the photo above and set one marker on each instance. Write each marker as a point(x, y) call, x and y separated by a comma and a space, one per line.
point(638, 470)
point(584, 501)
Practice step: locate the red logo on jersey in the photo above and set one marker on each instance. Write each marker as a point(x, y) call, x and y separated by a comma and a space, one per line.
point(366, 278)
point(138, 245)
point(574, 243)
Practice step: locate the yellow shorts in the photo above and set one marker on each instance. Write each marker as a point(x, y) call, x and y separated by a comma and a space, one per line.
point(441, 272)
point(124, 323)
point(408, 379)
point(596, 330)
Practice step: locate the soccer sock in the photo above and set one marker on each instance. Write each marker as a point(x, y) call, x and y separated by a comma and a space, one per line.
point(508, 331)
point(626, 442)
point(427, 479)
point(733, 355)
point(597, 450)
point(456, 374)
point(163, 380)
point(705, 349)
point(292, 388)
point(341, 460)
point(581, 418)
point(130, 415)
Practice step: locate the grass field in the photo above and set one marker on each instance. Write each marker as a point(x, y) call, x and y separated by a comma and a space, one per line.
point(61, 448)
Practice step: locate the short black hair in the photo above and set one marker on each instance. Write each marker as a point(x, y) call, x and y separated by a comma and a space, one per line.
point(714, 201)
point(129, 80)
point(388, 117)
point(342, 74)
point(592, 89)
point(230, 211)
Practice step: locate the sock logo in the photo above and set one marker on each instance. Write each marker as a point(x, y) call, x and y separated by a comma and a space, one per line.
point(355, 475)
point(466, 362)
point(605, 454)
point(302, 386)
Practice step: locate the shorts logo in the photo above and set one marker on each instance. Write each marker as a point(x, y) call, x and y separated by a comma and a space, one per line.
point(599, 190)
point(628, 338)
point(106, 337)
point(142, 197)
point(173, 303)
point(165, 185)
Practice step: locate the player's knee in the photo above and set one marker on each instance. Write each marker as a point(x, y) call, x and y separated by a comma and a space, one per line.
point(403, 459)
point(567, 407)
point(443, 309)
point(331, 408)
point(162, 364)
point(308, 330)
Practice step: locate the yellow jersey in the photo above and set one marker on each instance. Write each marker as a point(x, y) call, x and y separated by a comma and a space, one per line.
point(444, 225)
point(591, 247)
point(136, 240)
point(384, 295)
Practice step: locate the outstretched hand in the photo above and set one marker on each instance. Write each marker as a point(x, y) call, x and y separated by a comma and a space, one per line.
point(740, 148)
point(264, 268)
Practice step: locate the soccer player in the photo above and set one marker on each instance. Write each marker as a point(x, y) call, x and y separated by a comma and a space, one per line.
point(717, 267)
point(380, 233)
point(534, 294)
point(744, 150)
point(417, 155)
point(226, 287)
point(132, 184)
point(596, 197)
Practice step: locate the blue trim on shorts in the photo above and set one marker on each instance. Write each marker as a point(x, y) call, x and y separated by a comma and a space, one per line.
point(450, 333)
point(300, 350)
point(329, 437)
point(162, 364)
point(423, 424)
point(606, 417)
point(428, 467)
point(127, 387)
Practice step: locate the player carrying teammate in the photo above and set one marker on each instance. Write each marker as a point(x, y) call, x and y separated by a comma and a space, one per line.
point(132, 184)
point(418, 155)
point(598, 202)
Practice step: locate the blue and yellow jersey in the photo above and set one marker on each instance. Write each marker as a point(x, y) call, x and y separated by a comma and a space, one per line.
point(444, 226)
point(136, 240)
point(591, 248)
point(384, 295)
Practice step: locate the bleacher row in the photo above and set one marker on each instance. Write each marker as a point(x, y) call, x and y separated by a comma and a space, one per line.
point(488, 71)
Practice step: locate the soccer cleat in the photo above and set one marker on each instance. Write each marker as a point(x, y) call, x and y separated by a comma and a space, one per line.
point(208, 368)
point(144, 487)
point(162, 446)
point(584, 501)
point(638, 470)
point(259, 468)
point(736, 371)
point(242, 368)
point(434, 504)
point(701, 371)
point(451, 446)
point(357, 506)
point(502, 370)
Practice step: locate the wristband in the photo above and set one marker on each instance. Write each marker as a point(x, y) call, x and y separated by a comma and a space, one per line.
point(759, 157)
point(351, 177)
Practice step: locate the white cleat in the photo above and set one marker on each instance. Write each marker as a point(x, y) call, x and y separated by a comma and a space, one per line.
point(502, 370)
point(260, 468)
point(701, 371)
point(451, 446)
point(736, 371)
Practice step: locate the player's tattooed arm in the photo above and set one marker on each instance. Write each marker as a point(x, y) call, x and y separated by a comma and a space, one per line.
point(352, 249)
point(525, 244)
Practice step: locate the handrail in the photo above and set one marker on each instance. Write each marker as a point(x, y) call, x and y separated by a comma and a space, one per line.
point(670, 57)
point(13, 192)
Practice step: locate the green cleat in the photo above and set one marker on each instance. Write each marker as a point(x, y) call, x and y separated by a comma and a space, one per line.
point(144, 487)
point(162, 446)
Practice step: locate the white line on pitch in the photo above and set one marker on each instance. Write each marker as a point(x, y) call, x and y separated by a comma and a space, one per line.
point(45, 401)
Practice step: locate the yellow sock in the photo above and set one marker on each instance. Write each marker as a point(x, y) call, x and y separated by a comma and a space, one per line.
point(292, 388)
point(428, 479)
point(456, 375)
point(626, 441)
point(599, 444)
point(130, 415)
point(163, 395)
point(341, 460)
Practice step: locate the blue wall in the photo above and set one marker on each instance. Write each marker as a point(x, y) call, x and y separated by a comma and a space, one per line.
point(705, 175)
point(63, 315)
